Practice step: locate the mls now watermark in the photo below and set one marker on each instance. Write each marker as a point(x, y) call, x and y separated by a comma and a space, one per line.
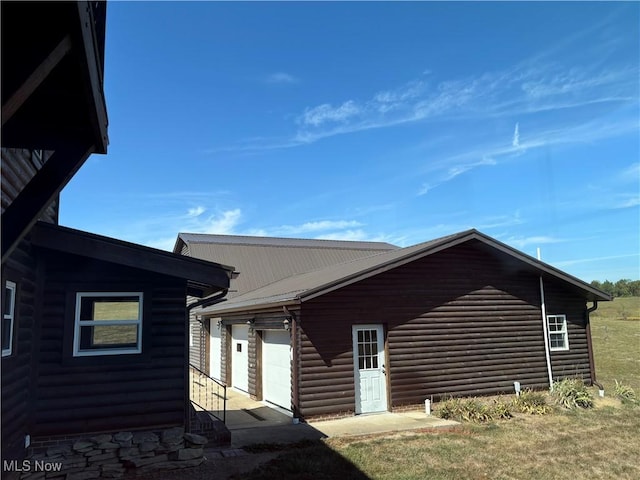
point(31, 466)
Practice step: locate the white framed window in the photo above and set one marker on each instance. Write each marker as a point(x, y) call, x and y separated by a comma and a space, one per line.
point(107, 323)
point(558, 336)
point(8, 317)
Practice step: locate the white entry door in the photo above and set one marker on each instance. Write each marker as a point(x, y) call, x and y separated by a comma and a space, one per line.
point(215, 349)
point(276, 368)
point(240, 357)
point(369, 368)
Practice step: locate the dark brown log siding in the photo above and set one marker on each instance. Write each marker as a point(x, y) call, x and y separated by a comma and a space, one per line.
point(107, 393)
point(269, 319)
point(19, 166)
point(254, 361)
point(464, 321)
point(19, 268)
point(197, 347)
point(575, 361)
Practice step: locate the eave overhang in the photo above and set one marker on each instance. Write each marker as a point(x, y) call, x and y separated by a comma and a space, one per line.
point(327, 280)
point(203, 278)
point(52, 98)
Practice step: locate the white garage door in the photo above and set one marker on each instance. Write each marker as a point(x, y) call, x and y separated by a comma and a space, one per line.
point(215, 349)
point(240, 357)
point(276, 368)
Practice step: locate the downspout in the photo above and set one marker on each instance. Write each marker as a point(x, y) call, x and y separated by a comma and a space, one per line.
point(546, 334)
point(590, 349)
point(543, 310)
point(295, 400)
point(205, 302)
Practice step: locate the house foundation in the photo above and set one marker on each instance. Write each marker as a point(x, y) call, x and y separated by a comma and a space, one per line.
point(112, 455)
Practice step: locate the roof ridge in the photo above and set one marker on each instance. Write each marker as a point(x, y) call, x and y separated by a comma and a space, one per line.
point(391, 253)
point(285, 242)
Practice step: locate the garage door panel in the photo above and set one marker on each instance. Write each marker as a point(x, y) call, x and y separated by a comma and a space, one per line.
point(276, 368)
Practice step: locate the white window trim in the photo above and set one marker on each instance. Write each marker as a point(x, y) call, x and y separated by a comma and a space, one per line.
point(77, 352)
point(564, 332)
point(10, 316)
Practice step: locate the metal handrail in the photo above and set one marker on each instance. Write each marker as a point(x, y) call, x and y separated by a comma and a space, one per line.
point(207, 393)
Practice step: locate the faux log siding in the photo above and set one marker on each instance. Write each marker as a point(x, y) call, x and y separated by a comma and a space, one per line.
point(196, 351)
point(107, 393)
point(326, 381)
point(269, 319)
point(461, 322)
point(19, 166)
point(17, 171)
point(575, 361)
point(20, 268)
point(254, 365)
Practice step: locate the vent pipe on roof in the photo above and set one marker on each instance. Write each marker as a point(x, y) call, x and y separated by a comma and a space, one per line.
point(543, 310)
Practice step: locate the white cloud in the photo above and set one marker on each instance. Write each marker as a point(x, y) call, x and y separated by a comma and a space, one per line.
point(196, 211)
point(566, 263)
point(426, 188)
point(223, 224)
point(631, 173)
point(161, 232)
point(545, 82)
point(453, 172)
point(522, 242)
point(325, 113)
point(354, 235)
point(628, 201)
point(456, 170)
point(310, 227)
point(282, 78)
point(500, 221)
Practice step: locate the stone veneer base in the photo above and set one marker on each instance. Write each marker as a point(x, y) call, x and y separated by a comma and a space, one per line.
point(113, 455)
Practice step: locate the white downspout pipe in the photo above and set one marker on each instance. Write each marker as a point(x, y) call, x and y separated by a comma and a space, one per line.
point(543, 309)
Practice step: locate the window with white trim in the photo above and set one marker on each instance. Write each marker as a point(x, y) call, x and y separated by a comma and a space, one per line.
point(558, 336)
point(8, 317)
point(107, 323)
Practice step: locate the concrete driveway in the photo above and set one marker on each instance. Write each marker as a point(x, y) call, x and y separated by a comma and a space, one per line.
point(252, 422)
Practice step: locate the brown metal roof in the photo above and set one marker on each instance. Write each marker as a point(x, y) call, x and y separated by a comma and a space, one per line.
point(311, 284)
point(264, 260)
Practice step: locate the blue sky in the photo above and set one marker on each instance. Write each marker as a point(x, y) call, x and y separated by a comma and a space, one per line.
point(397, 122)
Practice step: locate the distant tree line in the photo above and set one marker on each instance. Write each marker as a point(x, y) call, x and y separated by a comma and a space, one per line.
point(622, 288)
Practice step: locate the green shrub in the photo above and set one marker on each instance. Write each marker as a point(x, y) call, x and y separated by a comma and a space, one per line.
point(532, 403)
point(571, 393)
point(472, 410)
point(450, 409)
point(625, 393)
point(501, 410)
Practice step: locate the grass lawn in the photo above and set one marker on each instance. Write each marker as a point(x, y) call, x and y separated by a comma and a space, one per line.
point(615, 332)
point(603, 442)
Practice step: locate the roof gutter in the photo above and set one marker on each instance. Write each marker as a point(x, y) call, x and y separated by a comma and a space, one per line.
point(207, 302)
